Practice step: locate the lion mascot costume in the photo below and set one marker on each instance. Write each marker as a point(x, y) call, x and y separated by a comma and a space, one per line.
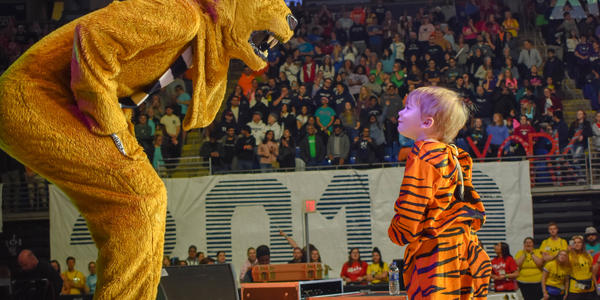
point(66, 107)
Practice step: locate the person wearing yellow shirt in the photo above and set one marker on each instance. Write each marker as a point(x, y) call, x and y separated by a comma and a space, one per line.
point(510, 24)
point(555, 277)
point(530, 264)
point(74, 281)
point(553, 244)
point(377, 272)
point(582, 284)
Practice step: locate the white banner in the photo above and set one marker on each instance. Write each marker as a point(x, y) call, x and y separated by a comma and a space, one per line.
point(234, 212)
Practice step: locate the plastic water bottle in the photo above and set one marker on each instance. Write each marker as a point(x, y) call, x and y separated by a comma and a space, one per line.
point(394, 279)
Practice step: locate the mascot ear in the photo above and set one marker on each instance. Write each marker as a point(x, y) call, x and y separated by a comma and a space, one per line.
point(209, 76)
point(210, 7)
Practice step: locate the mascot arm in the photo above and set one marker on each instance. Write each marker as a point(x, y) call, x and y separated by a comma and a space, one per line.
point(117, 33)
point(94, 65)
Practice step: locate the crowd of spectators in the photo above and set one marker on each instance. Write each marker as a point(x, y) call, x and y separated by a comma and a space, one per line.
point(331, 95)
point(16, 38)
point(553, 270)
point(354, 270)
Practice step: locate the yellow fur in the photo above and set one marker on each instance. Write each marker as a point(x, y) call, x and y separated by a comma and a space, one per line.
point(59, 124)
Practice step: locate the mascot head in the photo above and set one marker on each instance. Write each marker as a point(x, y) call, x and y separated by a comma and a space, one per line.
point(251, 27)
point(242, 29)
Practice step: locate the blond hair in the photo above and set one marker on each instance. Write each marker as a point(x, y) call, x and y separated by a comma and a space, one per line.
point(579, 237)
point(573, 254)
point(448, 111)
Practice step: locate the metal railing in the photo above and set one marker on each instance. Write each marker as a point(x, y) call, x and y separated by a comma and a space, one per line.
point(25, 195)
point(546, 170)
point(593, 161)
point(192, 166)
point(550, 174)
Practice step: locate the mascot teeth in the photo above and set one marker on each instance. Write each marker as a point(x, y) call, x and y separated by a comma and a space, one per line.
point(262, 41)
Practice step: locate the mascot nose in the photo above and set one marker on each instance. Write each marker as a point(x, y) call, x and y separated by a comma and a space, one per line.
point(292, 21)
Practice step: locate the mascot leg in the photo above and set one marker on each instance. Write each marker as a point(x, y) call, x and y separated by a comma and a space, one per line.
point(121, 197)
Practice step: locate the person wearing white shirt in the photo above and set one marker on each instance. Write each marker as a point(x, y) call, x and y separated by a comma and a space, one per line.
point(425, 30)
point(350, 52)
point(530, 56)
point(344, 22)
point(290, 69)
point(273, 126)
point(258, 128)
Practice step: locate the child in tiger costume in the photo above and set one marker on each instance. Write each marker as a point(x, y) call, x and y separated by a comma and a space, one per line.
point(438, 211)
point(66, 106)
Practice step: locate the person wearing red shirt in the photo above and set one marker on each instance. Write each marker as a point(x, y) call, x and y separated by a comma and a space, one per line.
point(354, 270)
point(504, 269)
point(489, 25)
point(524, 129)
point(358, 15)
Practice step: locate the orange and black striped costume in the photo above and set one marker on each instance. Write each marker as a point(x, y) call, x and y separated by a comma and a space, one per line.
point(436, 216)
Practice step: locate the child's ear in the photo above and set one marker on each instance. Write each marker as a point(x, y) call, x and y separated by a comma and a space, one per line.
point(427, 123)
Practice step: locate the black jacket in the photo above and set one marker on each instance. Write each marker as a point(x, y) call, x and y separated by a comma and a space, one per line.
point(241, 152)
point(221, 128)
point(586, 129)
point(554, 68)
point(24, 281)
point(229, 149)
point(365, 151)
point(287, 157)
point(305, 150)
point(208, 148)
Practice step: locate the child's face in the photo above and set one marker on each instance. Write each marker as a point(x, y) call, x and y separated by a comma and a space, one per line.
point(410, 122)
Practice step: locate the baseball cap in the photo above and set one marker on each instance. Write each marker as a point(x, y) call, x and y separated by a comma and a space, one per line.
point(590, 230)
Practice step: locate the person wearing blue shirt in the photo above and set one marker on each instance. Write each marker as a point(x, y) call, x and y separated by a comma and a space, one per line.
point(183, 99)
point(314, 37)
point(499, 133)
point(325, 115)
point(90, 281)
point(388, 59)
point(592, 245)
point(305, 47)
point(274, 56)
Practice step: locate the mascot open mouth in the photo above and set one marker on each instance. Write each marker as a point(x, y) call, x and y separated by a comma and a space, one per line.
point(262, 41)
